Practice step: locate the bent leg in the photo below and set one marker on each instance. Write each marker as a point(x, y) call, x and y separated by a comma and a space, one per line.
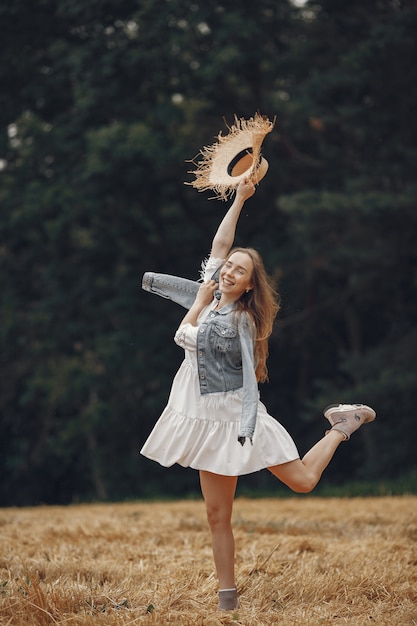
point(303, 474)
point(219, 492)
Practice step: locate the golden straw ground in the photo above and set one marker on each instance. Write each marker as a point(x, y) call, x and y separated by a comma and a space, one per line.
point(300, 561)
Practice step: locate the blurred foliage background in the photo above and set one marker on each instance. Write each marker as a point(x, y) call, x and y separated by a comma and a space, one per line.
point(101, 105)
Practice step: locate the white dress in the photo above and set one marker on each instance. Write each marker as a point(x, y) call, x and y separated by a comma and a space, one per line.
point(201, 431)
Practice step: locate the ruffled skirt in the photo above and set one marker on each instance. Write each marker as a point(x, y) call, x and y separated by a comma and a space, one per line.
point(201, 431)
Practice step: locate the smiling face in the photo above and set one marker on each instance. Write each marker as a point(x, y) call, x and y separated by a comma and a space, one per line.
point(236, 276)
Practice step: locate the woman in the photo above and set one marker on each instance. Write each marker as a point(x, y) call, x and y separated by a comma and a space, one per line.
point(214, 420)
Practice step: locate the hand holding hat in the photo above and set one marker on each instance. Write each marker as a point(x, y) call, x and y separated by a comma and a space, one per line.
point(245, 189)
point(233, 158)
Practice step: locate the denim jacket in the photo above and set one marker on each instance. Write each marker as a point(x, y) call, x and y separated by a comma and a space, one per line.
point(225, 337)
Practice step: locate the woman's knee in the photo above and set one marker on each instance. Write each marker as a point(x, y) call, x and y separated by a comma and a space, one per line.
point(306, 485)
point(218, 493)
point(298, 478)
point(218, 516)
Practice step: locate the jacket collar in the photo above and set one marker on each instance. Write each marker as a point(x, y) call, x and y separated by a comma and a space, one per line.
point(227, 308)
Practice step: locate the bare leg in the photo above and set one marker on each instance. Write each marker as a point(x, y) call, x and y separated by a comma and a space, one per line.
point(303, 474)
point(218, 492)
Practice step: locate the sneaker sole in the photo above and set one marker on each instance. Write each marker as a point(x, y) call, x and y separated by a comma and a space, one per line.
point(337, 408)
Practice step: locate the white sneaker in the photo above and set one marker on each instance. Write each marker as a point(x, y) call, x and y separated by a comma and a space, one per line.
point(346, 418)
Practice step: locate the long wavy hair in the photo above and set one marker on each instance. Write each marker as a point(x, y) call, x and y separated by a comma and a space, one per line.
point(262, 303)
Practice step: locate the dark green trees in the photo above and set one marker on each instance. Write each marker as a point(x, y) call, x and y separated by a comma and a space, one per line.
point(100, 106)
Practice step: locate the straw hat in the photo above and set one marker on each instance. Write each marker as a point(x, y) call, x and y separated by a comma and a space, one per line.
point(233, 157)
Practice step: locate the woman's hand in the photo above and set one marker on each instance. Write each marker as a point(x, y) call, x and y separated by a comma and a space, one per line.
point(203, 298)
point(245, 190)
point(205, 293)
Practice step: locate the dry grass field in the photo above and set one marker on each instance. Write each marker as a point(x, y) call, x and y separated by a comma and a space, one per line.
point(300, 561)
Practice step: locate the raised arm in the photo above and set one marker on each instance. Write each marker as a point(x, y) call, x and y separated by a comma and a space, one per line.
point(225, 235)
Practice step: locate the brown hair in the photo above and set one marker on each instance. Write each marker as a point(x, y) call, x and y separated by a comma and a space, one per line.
point(262, 304)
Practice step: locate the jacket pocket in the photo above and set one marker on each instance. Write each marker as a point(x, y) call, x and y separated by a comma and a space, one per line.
point(224, 338)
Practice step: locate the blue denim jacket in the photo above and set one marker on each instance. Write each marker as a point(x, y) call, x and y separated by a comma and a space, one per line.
point(226, 338)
